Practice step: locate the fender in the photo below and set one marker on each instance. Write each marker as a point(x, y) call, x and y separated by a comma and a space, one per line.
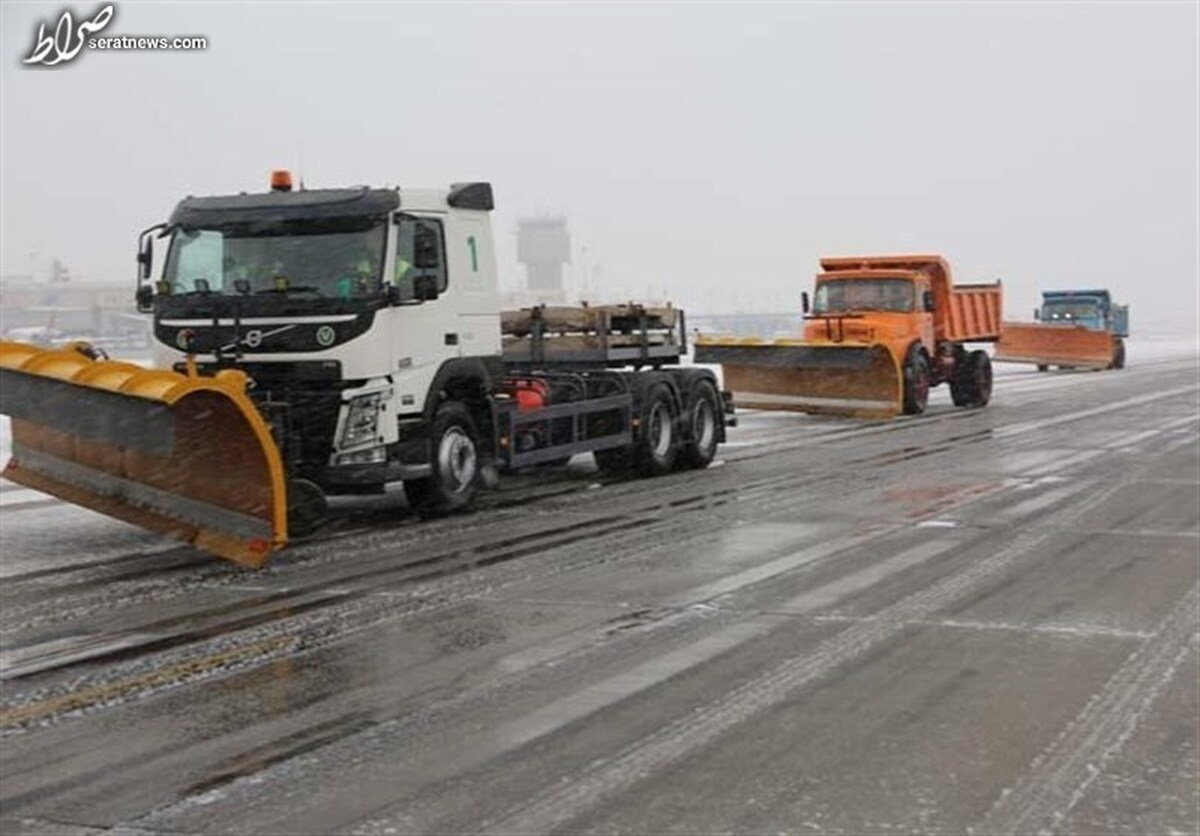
point(479, 370)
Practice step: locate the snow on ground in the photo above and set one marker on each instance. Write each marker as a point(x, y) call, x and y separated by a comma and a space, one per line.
point(1148, 349)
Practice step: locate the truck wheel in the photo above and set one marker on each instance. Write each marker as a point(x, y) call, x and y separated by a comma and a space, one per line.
point(980, 366)
point(455, 479)
point(971, 383)
point(656, 446)
point(1042, 367)
point(306, 507)
point(916, 382)
point(1118, 361)
point(701, 447)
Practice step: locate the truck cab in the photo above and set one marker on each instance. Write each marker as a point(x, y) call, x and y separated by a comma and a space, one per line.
point(871, 306)
point(1092, 309)
point(350, 309)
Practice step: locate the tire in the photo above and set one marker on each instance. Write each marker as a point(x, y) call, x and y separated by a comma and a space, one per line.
point(454, 441)
point(971, 383)
point(916, 382)
point(981, 367)
point(306, 507)
point(1118, 361)
point(701, 419)
point(657, 443)
point(1042, 367)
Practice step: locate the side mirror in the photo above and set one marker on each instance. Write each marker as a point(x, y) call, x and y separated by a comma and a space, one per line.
point(927, 300)
point(425, 288)
point(145, 298)
point(426, 254)
point(145, 258)
point(804, 301)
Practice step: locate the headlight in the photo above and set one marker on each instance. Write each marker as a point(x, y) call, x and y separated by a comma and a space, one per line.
point(362, 419)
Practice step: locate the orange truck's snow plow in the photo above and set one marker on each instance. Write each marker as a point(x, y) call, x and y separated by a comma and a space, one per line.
point(882, 331)
point(863, 381)
point(181, 454)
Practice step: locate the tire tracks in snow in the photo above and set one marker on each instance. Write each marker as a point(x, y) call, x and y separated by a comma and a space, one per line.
point(1059, 777)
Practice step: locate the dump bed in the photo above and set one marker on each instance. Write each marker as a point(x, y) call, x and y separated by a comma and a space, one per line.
point(593, 335)
point(1120, 320)
point(971, 314)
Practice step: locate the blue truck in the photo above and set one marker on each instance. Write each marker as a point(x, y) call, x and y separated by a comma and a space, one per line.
point(1075, 329)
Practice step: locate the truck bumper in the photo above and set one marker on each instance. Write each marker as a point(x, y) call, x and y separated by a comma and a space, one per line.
point(357, 478)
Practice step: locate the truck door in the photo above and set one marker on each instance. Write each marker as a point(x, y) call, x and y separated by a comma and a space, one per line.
point(472, 265)
point(925, 326)
point(425, 322)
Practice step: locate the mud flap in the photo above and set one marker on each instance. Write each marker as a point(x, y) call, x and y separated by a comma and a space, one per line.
point(183, 455)
point(1054, 345)
point(860, 381)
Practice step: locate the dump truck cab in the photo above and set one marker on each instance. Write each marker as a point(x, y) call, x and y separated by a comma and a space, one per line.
point(870, 306)
point(1092, 309)
point(350, 309)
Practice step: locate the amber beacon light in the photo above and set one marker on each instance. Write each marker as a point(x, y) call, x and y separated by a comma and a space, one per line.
point(281, 180)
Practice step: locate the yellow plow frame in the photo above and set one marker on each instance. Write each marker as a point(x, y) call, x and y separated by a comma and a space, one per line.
point(863, 381)
point(181, 454)
point(1055, 345)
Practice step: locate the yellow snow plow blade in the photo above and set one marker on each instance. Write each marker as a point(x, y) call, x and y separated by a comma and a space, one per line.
point(863, 381)
point(183, 455)
point(1055, 345)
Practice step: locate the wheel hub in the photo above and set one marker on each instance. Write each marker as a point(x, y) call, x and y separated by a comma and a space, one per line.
point(660, 431)
point(457, 460)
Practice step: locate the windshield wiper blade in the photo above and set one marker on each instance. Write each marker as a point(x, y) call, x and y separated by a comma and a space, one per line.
point(284, 291)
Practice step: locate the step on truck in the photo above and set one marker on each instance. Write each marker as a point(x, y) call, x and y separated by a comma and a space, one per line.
point(881, 330)
point(1073, 329)
point(334, 341)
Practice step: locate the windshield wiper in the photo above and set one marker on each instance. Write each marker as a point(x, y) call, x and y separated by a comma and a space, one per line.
point(284, 291)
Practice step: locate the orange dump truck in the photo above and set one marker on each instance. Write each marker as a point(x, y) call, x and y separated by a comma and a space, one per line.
point(881, 331)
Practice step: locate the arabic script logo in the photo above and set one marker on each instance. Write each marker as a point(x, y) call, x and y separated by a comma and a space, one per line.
point(68, 39)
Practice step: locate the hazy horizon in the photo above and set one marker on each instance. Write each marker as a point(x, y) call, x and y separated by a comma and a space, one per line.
point(707, 154)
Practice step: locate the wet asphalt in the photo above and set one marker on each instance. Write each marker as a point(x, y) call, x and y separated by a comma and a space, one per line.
point(976, 621)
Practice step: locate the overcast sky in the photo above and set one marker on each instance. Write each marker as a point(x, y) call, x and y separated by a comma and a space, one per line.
point(709, 154)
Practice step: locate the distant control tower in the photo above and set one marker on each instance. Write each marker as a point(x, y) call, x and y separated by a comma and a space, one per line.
point(544, 246)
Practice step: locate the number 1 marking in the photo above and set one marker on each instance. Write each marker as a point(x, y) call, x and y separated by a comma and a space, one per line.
point(474, 255)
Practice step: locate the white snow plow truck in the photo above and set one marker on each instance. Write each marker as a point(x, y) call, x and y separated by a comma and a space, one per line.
point(316, 342)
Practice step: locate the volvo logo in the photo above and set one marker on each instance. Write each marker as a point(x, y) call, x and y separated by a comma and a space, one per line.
point(325, 336)
point(255, 337)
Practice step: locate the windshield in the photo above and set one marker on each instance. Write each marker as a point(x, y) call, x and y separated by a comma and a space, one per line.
point(338, 258)
point(1070, 310)
point(839, 295)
